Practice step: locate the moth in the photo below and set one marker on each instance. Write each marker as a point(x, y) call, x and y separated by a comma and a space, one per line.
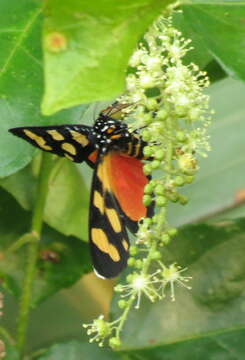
point(116, 200)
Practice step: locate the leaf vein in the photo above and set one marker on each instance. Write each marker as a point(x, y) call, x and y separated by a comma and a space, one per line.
point(21, 38)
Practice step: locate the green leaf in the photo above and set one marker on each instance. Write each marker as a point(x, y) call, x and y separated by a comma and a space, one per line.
point(221, 26)
point(220, 179)
point(21, 83)
point(62, 259)
point(226, 347)
point(206, 322)
point(87, 46)
point(75, 350)
point(67, 202)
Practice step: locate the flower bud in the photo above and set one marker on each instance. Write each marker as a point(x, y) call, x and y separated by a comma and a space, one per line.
point(161, 201)
point(122, 304)
point(147, 199)
point(114, 342)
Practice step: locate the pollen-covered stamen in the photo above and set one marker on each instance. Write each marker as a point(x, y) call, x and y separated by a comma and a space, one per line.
point(100, 328)
point(138, 285)
point(171, 275)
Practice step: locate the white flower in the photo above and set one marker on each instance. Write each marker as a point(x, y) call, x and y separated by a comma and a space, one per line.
point(100, 328)
point(139, 284)
point(171, 275)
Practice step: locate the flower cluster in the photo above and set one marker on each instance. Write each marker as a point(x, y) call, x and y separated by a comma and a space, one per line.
point(171, 111)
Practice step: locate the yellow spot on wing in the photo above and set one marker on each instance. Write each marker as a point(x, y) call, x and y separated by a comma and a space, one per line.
point(69, 148)
point(104, 171)
point(99, 201)
point(100, 239)
point(113, 253)
point(130, 147)
point(114, 220)
point(81, 139)
point(55, 135)
point(69, 157)
point(110, 130)
point(125, 244)
point(116, 136)
point(38, 139)
point(137, 150)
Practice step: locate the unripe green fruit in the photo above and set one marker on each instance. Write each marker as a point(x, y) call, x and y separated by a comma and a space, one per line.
point(159, 189)
point(122, 304)
point(138, 264)
point(165, 239)
point(183, 199)
point(148, 189)
point(151, 104)
point(159, 154)
point(146, 135)
point(133, 250)
point(162, 114)
point(156, 255)
point(172, 232)
point(179, 181)
point(114, 342)
point(161, 201)
point(189, 179)
point(147, 199)
point(131, 261)
point(148, 118)
point(181, 137)
point(147, 151)
point(147, 169)
point(155, 164)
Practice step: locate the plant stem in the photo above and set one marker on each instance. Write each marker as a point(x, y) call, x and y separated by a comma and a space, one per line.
point(32, 254)
point(124, 315)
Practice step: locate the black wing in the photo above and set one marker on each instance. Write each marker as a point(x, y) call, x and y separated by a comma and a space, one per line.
point(109, 242)
point(71, 141)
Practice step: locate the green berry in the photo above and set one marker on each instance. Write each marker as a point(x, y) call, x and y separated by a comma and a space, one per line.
point(148, 118)
point(155, 164)
point(172, 232)
point(155, 219)
point(156, 255)
point(147, 169)
point(181, 137)
point(165, 239)
point(147, 199)
point(138, 264)
point(189, 179)
point(153, 182)
point(179, 181)
point(151, 104)
point(114, 342)
point(122, 304)
point(147, 151)
point(148, 189)
point(146, 135)
point(133, 250)
point(159, 189)
point(162, 114)
point(183, 199)
point(131, 261)
point(159, 154)
point(161, 201)
point(130, 278)
point(194, 114)
point(147, 221)
point(173, 196)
